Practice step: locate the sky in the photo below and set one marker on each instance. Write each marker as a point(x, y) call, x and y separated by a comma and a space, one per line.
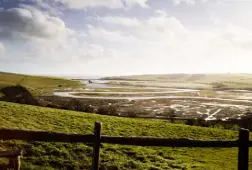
point(125, 37)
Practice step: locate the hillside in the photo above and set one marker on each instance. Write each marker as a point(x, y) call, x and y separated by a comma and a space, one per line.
point(189, 77)
point(41, 155)
point(232, 81)
point(36, 84)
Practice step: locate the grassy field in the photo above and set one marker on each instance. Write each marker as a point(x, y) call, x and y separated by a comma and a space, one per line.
point(41, 155)
point(37, 84)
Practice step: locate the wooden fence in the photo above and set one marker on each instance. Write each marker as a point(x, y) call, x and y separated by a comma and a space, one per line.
point(243, 143)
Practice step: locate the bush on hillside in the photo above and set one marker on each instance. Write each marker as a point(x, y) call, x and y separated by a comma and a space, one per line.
point(108, 110)
point(135, 111)
point(18, 94)
point(77, 105)
point(170, 113)
point(194, 122)
point(218, 85)
point(200, 122)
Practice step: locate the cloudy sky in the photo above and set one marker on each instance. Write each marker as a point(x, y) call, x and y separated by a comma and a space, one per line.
point(119, 37)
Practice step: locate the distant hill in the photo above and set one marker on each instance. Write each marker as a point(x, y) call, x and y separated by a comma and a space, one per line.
point(237, 81)
point(188, 77)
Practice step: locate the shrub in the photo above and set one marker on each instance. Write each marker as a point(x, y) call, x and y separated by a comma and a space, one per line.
point(191, 122)
point(204, 123)
point(198, 122)
point(195, 122)
point(108, 110)
point(170, 113)
point(77, 105)
point(135, 111)
point(218, 85)
point(18, 94)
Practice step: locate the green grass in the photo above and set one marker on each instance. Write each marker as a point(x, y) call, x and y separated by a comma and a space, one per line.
point(37, 84)
point(42, 155)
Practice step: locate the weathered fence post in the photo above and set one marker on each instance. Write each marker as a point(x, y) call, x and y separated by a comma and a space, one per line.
point(243, 153)
point(96, 146)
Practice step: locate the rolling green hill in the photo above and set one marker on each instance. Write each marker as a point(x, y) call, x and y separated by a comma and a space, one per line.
point(41, 155)
point(36, 84)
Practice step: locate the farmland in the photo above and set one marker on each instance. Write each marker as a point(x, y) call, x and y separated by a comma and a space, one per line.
point(42, 155)
point(145, 98)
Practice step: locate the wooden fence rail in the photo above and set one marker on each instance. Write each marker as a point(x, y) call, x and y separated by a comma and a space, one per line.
point(243, 143)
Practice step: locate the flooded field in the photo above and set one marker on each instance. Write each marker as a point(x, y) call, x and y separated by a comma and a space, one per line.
point(156, 98)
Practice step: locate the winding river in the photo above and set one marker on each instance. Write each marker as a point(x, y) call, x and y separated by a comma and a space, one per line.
point(169, 91)
point(71, 94)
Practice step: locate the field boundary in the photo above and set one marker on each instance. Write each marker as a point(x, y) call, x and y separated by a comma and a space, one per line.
point(243, 143)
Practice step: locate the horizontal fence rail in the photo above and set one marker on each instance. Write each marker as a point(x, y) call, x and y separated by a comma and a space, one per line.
point(182, 142)
point(242, 143)
point(6, 134)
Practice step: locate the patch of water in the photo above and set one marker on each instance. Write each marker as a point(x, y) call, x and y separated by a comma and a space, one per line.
point(210, 117)
point(226, 105)
point(69, 94)
point(198, 112)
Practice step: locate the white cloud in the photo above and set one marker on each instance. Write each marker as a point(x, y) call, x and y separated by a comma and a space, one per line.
point(38, 40)
point(164, 44)
point(29, 23)
point(177, 2)
point(191, 2)
point(151, 29)
point(170, 29)
point(80, 4)
point(237, 35)
point(2, 48)
point(119, 20)
point(115, 36)
point(51, 8)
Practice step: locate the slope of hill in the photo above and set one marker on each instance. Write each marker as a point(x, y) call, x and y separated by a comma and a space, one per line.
point(42, 155)
point(232, 81)
point(37, 84)
point(189, 77)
